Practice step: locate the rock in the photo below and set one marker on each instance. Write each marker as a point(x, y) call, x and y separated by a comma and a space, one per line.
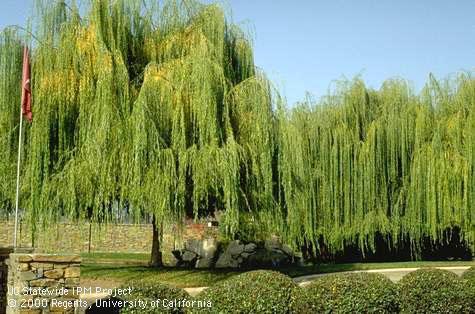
point(226, 261)
point(171, 260)
point(54, 274)
point(23, 258)
point(235, 248)
point(44, 282)
point(188, 259)
point(56, 258)
point(27, 275)
point(229, 258)
point(177, 254)
point(246, 254)
point(44, 266)
point(207, 253)
point(193, 245)
point(272, 244)
point(188, 256)
point(250, 247)
point(71, 282)
point(268, 258)
point(23, 266)
point(287, 250)
point(72, 272)
point(204, 263)
point(208, 247)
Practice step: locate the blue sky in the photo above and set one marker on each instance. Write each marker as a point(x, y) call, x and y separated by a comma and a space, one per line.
point(304, 45)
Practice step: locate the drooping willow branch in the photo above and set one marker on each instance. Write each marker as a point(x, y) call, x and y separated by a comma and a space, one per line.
point(145, 109)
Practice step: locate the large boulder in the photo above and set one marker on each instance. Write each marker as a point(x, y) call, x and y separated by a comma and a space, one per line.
point(226, 260)
point(174, 259)
point(207, 253)
point(268, 258)
point(193, 245)
point(197, 253)
point(272, 244)
point(250, 248)
point(189, 258)
point(229, 257)
point(235, 248)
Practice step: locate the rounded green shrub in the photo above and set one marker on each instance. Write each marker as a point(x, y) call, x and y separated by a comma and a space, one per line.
point(469, 274)
point(347, 293)
point(257, 291)
point(469, 277)
point(159, 298)
point(435, 291)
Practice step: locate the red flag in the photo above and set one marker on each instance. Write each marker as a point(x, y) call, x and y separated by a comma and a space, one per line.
point(25, 86)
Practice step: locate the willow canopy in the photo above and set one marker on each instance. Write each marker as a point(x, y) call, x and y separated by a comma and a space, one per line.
point(146, 107)
point(387, 162)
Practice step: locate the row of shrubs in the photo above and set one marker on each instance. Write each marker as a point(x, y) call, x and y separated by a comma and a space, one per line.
point(421, 291)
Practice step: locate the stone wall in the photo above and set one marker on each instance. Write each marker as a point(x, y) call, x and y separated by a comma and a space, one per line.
point(40, 283)
point(123, 238)
point(3, 278)
point(79, 238)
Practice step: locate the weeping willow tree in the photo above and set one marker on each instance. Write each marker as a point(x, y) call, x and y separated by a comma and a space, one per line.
point(156, 108)
point(388, 162)
point(140, 107)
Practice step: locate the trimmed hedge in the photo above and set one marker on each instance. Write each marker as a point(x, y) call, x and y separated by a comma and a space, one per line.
point(435, 291)
point(259, 291)
point(151, 291)
point(347, 293)
point(421, 291)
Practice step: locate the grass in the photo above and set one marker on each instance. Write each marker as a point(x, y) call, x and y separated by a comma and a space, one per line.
point(116, 267)
point(182, 278)
point(115, 258)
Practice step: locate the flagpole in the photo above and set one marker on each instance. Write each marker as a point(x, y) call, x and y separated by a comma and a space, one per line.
point(17, 200)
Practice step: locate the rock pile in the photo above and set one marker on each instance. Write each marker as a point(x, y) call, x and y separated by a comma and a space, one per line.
point(197, 254)
point(209, 253)
point(270, 253)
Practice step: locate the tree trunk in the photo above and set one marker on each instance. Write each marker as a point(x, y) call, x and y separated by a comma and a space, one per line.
point(156, 256)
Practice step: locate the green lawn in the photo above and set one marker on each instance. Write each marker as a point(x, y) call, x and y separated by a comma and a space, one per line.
point(183, 278)
point(118, 267)
point(115, 258)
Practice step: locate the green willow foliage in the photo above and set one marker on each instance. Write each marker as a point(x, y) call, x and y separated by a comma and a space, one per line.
point(364, 162)
point(10, 93)
point(143, 107)
point(159, 109)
